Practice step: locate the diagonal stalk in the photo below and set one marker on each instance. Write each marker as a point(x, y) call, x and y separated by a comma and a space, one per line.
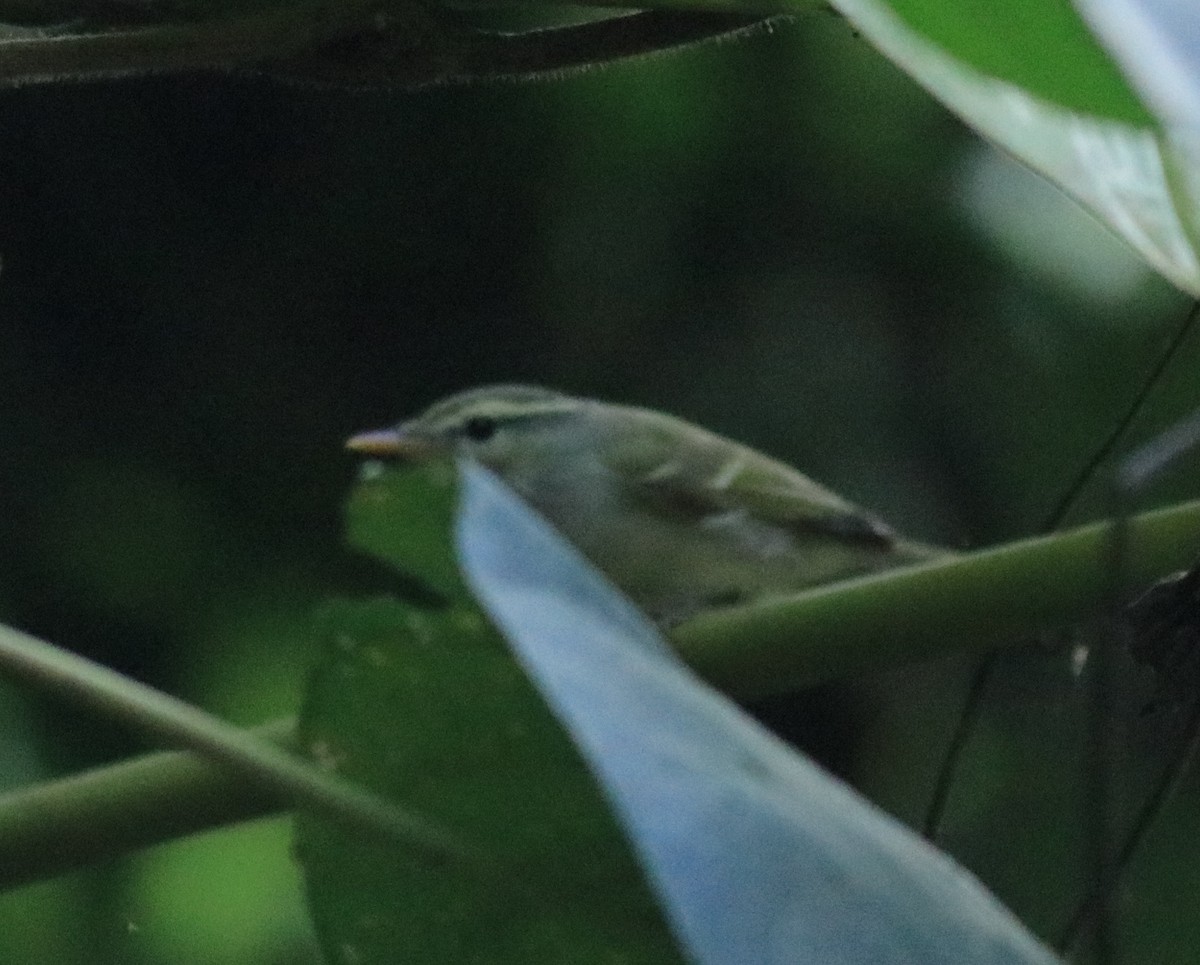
point(63, 825)
point(265, 767)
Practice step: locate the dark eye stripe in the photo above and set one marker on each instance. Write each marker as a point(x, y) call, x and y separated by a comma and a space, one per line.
point(479, 428)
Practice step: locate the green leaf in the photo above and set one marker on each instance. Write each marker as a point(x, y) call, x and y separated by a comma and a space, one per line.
point(757, 854)
point(1109, 157)
point(1040, 45)
point(427, 707)
point(407, 529)
point(1155, 43)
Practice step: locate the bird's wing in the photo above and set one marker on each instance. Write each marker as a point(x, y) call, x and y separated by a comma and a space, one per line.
point(690, 472)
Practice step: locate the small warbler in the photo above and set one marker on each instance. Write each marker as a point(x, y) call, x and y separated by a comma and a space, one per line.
point(681, 519)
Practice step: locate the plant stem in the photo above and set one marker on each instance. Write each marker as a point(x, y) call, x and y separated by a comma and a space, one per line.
point(64, 825)
point(263, 766)
point(973, 602)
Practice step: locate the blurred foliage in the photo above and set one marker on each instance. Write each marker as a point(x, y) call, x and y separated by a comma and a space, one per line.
point(208, 283)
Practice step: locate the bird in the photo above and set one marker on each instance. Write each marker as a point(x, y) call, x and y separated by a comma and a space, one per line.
point(681, 519)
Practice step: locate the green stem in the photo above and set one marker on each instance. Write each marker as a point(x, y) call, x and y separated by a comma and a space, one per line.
point(64, 825)
point(265, 767)
point(973, 602)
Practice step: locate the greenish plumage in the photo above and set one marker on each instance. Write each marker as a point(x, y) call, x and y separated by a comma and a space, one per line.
point(680, 518)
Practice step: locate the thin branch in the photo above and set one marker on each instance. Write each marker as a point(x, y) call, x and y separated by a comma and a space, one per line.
point(1168, 783)
point(1136, 405)
point(977, 689)
point(967, 718)
point(1107, 863)
point(352, 44)
point(170, 720)
point(1100, 799)
point(59, 826)
point(978, 600)
point(45, 13)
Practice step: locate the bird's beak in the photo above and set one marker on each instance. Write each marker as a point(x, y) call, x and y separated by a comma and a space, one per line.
point(392, 444)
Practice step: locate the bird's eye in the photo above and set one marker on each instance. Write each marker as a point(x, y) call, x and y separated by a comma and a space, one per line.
point(479, 428)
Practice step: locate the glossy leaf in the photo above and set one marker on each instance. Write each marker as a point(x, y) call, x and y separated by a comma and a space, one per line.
point(758, 855)
point(1113, 161)
point(1158, 44)
point(1041, 46)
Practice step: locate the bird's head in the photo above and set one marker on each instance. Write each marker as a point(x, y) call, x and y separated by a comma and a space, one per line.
point(512, 429)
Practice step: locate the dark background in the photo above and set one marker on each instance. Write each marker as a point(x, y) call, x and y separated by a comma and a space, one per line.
point(208, 283)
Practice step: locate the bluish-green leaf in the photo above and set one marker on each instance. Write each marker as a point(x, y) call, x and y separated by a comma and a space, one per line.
point(1113, 160)
point(1158, 44)
point(758, 855)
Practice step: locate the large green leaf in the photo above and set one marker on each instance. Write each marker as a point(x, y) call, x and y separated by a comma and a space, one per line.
point(1083, 135)
point(756, 855)
point(427, 706)
point(1041, 46)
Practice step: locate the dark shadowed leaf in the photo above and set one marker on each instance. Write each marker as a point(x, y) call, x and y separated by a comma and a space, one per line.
point(402, 520)
point(427, 706)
